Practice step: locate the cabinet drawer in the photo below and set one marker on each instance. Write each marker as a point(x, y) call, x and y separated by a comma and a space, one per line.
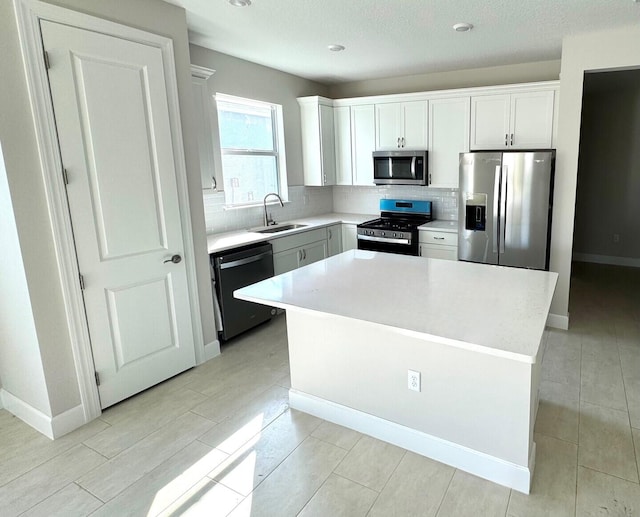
point(443, 238)
point(299, 239)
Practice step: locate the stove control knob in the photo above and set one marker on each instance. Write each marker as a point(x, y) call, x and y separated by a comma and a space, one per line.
point(395, 234)
point(382, 234)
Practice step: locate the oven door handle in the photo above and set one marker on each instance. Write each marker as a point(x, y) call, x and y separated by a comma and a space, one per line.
point(383, 239)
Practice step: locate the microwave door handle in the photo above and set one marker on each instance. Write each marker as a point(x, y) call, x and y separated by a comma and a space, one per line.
point(390, 168)
point(413, 167)
point(496, 211)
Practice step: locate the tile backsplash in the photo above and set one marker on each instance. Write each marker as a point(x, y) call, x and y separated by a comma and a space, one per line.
point(310, 201)
point(366, 200)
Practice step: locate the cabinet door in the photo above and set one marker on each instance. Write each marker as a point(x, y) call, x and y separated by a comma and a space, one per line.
point(314, 252)
point(532, 120)
point(363, 135)
point(203, 117)
point(342, 128)
point(490, 122)
point(414, 125)
point(327, 146)
point(388, 126)
point(349, 237)
point(334, 239)
point(448, 137)
point(285, 261)
point(439, 252)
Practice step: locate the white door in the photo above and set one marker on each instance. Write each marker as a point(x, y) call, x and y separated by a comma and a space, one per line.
point(114, 131)
point(448, 137)
point(363, 132)
point(532, 119)
point(490, 122)
point(414, 119)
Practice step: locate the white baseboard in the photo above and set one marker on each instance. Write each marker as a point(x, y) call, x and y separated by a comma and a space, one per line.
point(27, 413)
point(211, 350)
point(478, 463)
point(68, 421)
point(51, 427)
point(558, 322)
point(606, 259)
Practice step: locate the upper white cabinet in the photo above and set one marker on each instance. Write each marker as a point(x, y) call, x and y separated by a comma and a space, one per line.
point(448, 137)
point(363, 138)
point(512, 121)
point(401, 125)
point(318, 141)
point(342, 128)
point(204, 123)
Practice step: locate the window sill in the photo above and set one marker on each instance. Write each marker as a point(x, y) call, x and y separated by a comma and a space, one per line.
point(253, 205)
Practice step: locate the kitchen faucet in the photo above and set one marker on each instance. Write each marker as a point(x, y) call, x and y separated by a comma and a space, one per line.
point(267, 220)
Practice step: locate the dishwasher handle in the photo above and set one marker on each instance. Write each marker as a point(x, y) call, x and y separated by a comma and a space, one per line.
point(248, 260)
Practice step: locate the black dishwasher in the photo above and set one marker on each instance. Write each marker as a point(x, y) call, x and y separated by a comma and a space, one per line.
point(232, 270)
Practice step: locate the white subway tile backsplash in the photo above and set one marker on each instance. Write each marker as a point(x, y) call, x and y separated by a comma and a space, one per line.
point(310, 201)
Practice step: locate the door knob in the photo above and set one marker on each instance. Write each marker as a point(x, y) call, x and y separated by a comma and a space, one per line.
point(176, 259)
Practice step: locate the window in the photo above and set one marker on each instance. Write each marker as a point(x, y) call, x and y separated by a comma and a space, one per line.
point(252, 150)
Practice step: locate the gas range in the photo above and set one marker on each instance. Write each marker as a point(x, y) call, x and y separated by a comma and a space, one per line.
point(396, 231)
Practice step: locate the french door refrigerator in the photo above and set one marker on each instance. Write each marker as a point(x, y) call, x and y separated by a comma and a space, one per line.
point(505, 207)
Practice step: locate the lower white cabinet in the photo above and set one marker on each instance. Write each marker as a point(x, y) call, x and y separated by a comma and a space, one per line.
point(334, 240)
point(439, 245)
point(298, 250)
point(349, 237)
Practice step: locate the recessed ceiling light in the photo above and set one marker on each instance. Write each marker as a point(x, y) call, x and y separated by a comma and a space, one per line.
point(462, 27)
point(336, 48)
point(240, 3)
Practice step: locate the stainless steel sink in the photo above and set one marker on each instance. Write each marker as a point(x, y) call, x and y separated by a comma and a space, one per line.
point(277, 228)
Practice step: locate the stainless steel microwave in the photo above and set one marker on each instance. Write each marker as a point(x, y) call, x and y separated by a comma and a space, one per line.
point(400, 168)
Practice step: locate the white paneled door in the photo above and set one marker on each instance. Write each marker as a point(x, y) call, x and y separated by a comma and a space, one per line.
point(110, 103)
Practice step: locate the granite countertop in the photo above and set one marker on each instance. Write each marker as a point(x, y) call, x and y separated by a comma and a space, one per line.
point(489, 309)
point(223, 241)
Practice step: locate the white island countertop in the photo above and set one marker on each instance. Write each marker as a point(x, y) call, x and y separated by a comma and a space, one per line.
point(489, 309)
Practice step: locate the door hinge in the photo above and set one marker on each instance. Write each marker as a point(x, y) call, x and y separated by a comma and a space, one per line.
point(47, 64)
point(65, 176)
point(81, 282)
point(97, 379)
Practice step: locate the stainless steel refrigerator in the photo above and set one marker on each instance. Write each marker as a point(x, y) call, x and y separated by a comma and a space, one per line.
point(505, 207)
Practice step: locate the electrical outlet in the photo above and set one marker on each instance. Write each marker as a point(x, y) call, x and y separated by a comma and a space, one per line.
point(413, 380)
point(616, 237)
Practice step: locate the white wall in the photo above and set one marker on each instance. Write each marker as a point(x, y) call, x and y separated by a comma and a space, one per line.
point(24, 178)
point(245, 79)
point(602, 50)
point(490, 76)
point(608, 179)
point(20, 365)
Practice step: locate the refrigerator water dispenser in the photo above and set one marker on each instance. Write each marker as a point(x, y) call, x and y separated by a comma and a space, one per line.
point(475, 209)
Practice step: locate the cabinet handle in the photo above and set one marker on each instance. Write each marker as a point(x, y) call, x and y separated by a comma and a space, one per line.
point(439, 238)
point(329, 232)
point(214, 183)
point(511, 138)
point(506, 139)
point(398, 145)
point(402, 141)
point(304, 254)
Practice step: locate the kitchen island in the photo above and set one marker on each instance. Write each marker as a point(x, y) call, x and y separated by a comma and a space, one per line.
point(359, 321)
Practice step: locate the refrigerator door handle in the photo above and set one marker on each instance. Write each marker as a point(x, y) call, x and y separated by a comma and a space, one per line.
point(503, 208)
point(496, 211)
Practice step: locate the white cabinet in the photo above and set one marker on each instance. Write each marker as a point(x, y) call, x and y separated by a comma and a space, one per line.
point(512, 121)
point(298, 250)
point(318, 141)
point(448, 137)
point(204, 123)
point(363, 138)
point(401, 125)
point(342, 128)
point(349, 237)
point(439, 245)
point(334, 240)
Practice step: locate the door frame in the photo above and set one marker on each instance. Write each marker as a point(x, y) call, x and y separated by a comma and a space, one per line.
point(28, 16)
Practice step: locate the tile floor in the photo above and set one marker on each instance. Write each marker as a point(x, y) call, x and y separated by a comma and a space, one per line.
point(220, 439)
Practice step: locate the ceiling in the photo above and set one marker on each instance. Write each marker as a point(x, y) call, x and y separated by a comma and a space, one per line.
point(387, 38)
